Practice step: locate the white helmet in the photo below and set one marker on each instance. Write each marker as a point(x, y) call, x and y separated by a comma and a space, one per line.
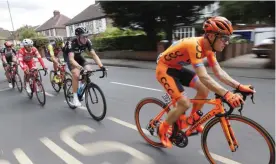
point(27, 42)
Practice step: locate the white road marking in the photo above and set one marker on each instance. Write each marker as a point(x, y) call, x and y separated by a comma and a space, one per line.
point(49, 94)
point(106, 162)
point(5, 89)
point(126, 124)
point(221, 158)
point(136, 86)
point(62, 154)
point(21, 157)
point(101, 147)
point(4, 162)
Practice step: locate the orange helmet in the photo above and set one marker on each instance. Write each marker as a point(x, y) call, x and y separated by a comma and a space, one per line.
point(219, 25)
point(8, 44)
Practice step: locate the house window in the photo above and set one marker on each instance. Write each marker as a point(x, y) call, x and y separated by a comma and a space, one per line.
point(47, 33)
point(89, 26)
point(71, 30)
point(98, 25)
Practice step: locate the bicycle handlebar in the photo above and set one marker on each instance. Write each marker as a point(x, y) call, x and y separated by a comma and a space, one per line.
point(243, 94)
point(35, 69)
point(87, 72)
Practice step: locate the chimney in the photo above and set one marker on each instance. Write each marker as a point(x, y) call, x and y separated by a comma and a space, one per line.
point(56, 13)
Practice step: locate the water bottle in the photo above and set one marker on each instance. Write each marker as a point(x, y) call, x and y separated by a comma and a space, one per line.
point(194, 117)
point(81, 85)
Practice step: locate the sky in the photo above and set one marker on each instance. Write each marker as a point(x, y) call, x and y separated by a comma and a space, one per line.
point(36, 12)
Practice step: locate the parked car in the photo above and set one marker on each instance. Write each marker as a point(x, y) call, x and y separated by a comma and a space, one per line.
point(264, 47)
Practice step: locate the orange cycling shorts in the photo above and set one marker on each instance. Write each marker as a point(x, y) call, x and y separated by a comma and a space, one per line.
point(173, 79)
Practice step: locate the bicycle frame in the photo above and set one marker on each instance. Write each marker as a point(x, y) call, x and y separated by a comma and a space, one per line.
point(218, 109)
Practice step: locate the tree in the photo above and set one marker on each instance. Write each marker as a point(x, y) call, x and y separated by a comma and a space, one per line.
point(152, 16)
point(26, 32)
point(248, 11)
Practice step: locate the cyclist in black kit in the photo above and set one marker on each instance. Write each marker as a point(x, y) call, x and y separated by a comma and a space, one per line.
point(78, 45)
point(8, 55)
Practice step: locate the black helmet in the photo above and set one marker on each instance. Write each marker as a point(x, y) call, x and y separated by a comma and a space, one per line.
point(80, 31)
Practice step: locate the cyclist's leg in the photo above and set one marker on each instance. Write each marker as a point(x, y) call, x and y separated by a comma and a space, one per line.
point(174, 89)
point(75, 80)
point(9, 60)
point(66, 59)
point(55, 64)
point(190, 79)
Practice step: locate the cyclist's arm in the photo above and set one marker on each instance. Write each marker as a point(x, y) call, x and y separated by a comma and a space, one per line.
point(93, 54)
point(39, 58)
point(20, 60)
point(224, 77)
point(96, 58)
point(52, 54)
point(220, 73)
point(208, 81)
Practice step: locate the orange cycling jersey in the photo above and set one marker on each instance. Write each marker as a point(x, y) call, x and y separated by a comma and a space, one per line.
point(185, 52)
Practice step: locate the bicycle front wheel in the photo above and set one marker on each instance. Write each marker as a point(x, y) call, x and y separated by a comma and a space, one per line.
point(17, 80)
point(39, 89)
point(246, 130)
point(55, 85)
point(94, 94)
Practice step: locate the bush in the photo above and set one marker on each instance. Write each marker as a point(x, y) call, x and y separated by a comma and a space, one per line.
point(116, 32)
point(40, 42)
point(136, 43)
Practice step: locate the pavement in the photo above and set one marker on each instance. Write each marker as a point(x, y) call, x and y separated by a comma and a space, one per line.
point(252, 66)
point(31, 134)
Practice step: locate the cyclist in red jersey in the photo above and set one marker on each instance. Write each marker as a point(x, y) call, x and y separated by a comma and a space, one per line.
point(173, 76)
point(26, 59)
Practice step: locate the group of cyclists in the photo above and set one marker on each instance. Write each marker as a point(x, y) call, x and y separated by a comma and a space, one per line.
point(170, 70)
point(71, 50)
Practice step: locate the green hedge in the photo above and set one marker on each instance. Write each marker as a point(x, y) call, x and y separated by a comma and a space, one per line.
point(40, 42)
point(138, 43)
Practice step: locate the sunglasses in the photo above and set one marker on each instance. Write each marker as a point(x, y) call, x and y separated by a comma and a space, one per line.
point(224, 38)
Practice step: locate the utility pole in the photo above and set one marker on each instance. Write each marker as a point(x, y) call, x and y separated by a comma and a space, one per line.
point(13, 33)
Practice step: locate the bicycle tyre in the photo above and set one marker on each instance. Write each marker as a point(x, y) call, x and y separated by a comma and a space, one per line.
point(51, 75)
point(87, 92)
point(66, 89)
point(30, 95)
point(139, 106)
point(19, 86)
point(38, 83)
point(269, 140)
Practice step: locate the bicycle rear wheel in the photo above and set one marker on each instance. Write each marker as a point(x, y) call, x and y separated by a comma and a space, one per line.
point(94, 98)
point(40, 89)
point(151, 130)
point(235, 119)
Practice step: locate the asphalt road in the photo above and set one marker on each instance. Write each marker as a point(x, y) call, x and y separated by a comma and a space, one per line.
point(56, 134)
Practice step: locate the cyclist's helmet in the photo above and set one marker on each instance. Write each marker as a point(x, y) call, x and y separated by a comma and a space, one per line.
point(58, 41)
point(8, 44)
point(81, 31)
point(27, 42)
point(218, 25)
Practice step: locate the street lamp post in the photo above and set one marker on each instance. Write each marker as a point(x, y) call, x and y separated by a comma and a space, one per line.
point(13, 33)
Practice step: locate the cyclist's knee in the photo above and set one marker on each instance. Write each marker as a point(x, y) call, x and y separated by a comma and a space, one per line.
point(75, 73)
point(184, 103)
point(204, 92)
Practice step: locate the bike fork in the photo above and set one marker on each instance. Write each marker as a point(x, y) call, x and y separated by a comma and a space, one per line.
point(229, 134)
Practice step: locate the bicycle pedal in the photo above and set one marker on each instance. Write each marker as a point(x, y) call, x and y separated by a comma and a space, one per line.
point(194, 133)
